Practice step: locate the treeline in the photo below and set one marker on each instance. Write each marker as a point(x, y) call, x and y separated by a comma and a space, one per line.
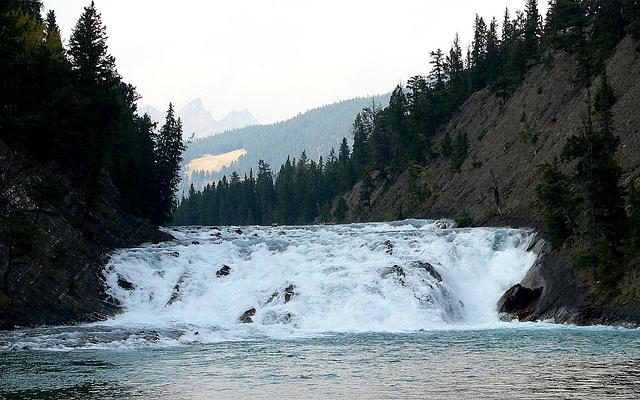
point(70, 106)
point(302, 192)
point(387, 141)
point(315, 131)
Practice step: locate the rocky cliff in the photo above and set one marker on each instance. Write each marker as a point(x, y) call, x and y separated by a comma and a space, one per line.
point(52, 251)
point(508, 139)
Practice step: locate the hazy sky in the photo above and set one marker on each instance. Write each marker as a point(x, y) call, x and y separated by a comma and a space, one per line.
point(276, 57)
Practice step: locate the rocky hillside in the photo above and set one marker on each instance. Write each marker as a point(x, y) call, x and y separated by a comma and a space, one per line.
point(51, 258)
point(495, 185)
point(553, 109)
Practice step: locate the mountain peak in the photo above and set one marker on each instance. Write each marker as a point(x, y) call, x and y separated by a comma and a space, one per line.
point(198, 120)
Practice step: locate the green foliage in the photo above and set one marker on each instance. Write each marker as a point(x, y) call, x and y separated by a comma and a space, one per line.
point(446, 145)
point(463, 220)
point(556, 203)
point(590, 203)
point(168, 156)
point(528, 133)
point(459, 151)
point(72, 108)
point(315, 131)
point(341, 209)
point(366, 191)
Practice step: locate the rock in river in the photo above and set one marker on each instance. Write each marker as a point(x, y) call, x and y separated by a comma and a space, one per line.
point(245, 318)
point(224, 271)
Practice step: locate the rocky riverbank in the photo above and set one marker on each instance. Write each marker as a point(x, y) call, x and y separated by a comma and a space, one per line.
point(51, 256)
point(554, 291)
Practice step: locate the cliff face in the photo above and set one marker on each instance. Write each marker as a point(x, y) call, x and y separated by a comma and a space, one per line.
point(51, 259)
point(553, 109)
point(507, 141)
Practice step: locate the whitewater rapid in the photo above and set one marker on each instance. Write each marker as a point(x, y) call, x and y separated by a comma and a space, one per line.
point(377, 277)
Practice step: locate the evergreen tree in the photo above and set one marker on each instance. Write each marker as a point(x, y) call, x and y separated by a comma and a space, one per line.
point(477, 75)
point(447, 145)
point(53, 38)
point(168, 152)
point(360, 154)
point(366, 191)
point(459, 151)
point(398, 140)
point(265, 192)
point(597, 177)
point(532, 28)
point(556, 203)
point(565, 24)
point(88, 49)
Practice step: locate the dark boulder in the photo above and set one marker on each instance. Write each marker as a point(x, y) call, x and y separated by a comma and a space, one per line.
point(389, 247)
point(224, 271)
point(273, 296)
point(289, 293)
point(429, 269)
point(245, 318)
point(396, 270)
point(238, 231)
point(195, 242)
point(519, 301)
point(175, 295)
point(125, 284)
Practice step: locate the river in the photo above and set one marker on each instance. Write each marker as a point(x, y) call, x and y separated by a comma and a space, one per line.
point(382, 310)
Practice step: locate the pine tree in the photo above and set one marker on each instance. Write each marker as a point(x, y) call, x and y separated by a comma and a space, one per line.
point(597, 177)
point(477, 76)
point(88, 49)
point(265, 192)
point(366, 191)
point(168, 152)
point(565, 24)
point(532, 28)
point(53, 38)
point(446, 145)
point(360, 154)
point(346, 171)
point(493, 52)
point(556, 203)
point(398, 140)
point(437, 75)
point(459, 151)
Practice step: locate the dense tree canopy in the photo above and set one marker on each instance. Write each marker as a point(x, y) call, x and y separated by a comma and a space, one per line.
point(70, 106)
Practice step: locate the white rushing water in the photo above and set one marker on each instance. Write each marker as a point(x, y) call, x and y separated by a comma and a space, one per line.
point(378, 277)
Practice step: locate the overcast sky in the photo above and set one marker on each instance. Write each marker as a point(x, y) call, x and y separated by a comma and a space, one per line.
point(276, 57)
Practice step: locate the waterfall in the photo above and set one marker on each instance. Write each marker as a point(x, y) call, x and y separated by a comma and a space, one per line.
point(285, 281)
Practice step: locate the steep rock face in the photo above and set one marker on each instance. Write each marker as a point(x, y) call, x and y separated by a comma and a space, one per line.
point(553, 108)
point(553, 291)
point(59, 280)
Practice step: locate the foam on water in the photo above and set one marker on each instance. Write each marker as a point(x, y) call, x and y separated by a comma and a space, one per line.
point(344, 278)
point(378, 277)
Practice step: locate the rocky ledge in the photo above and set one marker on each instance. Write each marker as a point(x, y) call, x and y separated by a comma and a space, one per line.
point(553, 291)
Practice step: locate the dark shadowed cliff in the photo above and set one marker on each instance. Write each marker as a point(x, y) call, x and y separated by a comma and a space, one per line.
point(51, 257)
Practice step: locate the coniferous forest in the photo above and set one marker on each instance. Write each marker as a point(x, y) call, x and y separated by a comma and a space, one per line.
point(387, 141)
point(69, 106)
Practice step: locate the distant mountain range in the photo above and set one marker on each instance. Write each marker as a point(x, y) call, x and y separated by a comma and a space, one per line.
point(316, 131)
point(196, 119)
